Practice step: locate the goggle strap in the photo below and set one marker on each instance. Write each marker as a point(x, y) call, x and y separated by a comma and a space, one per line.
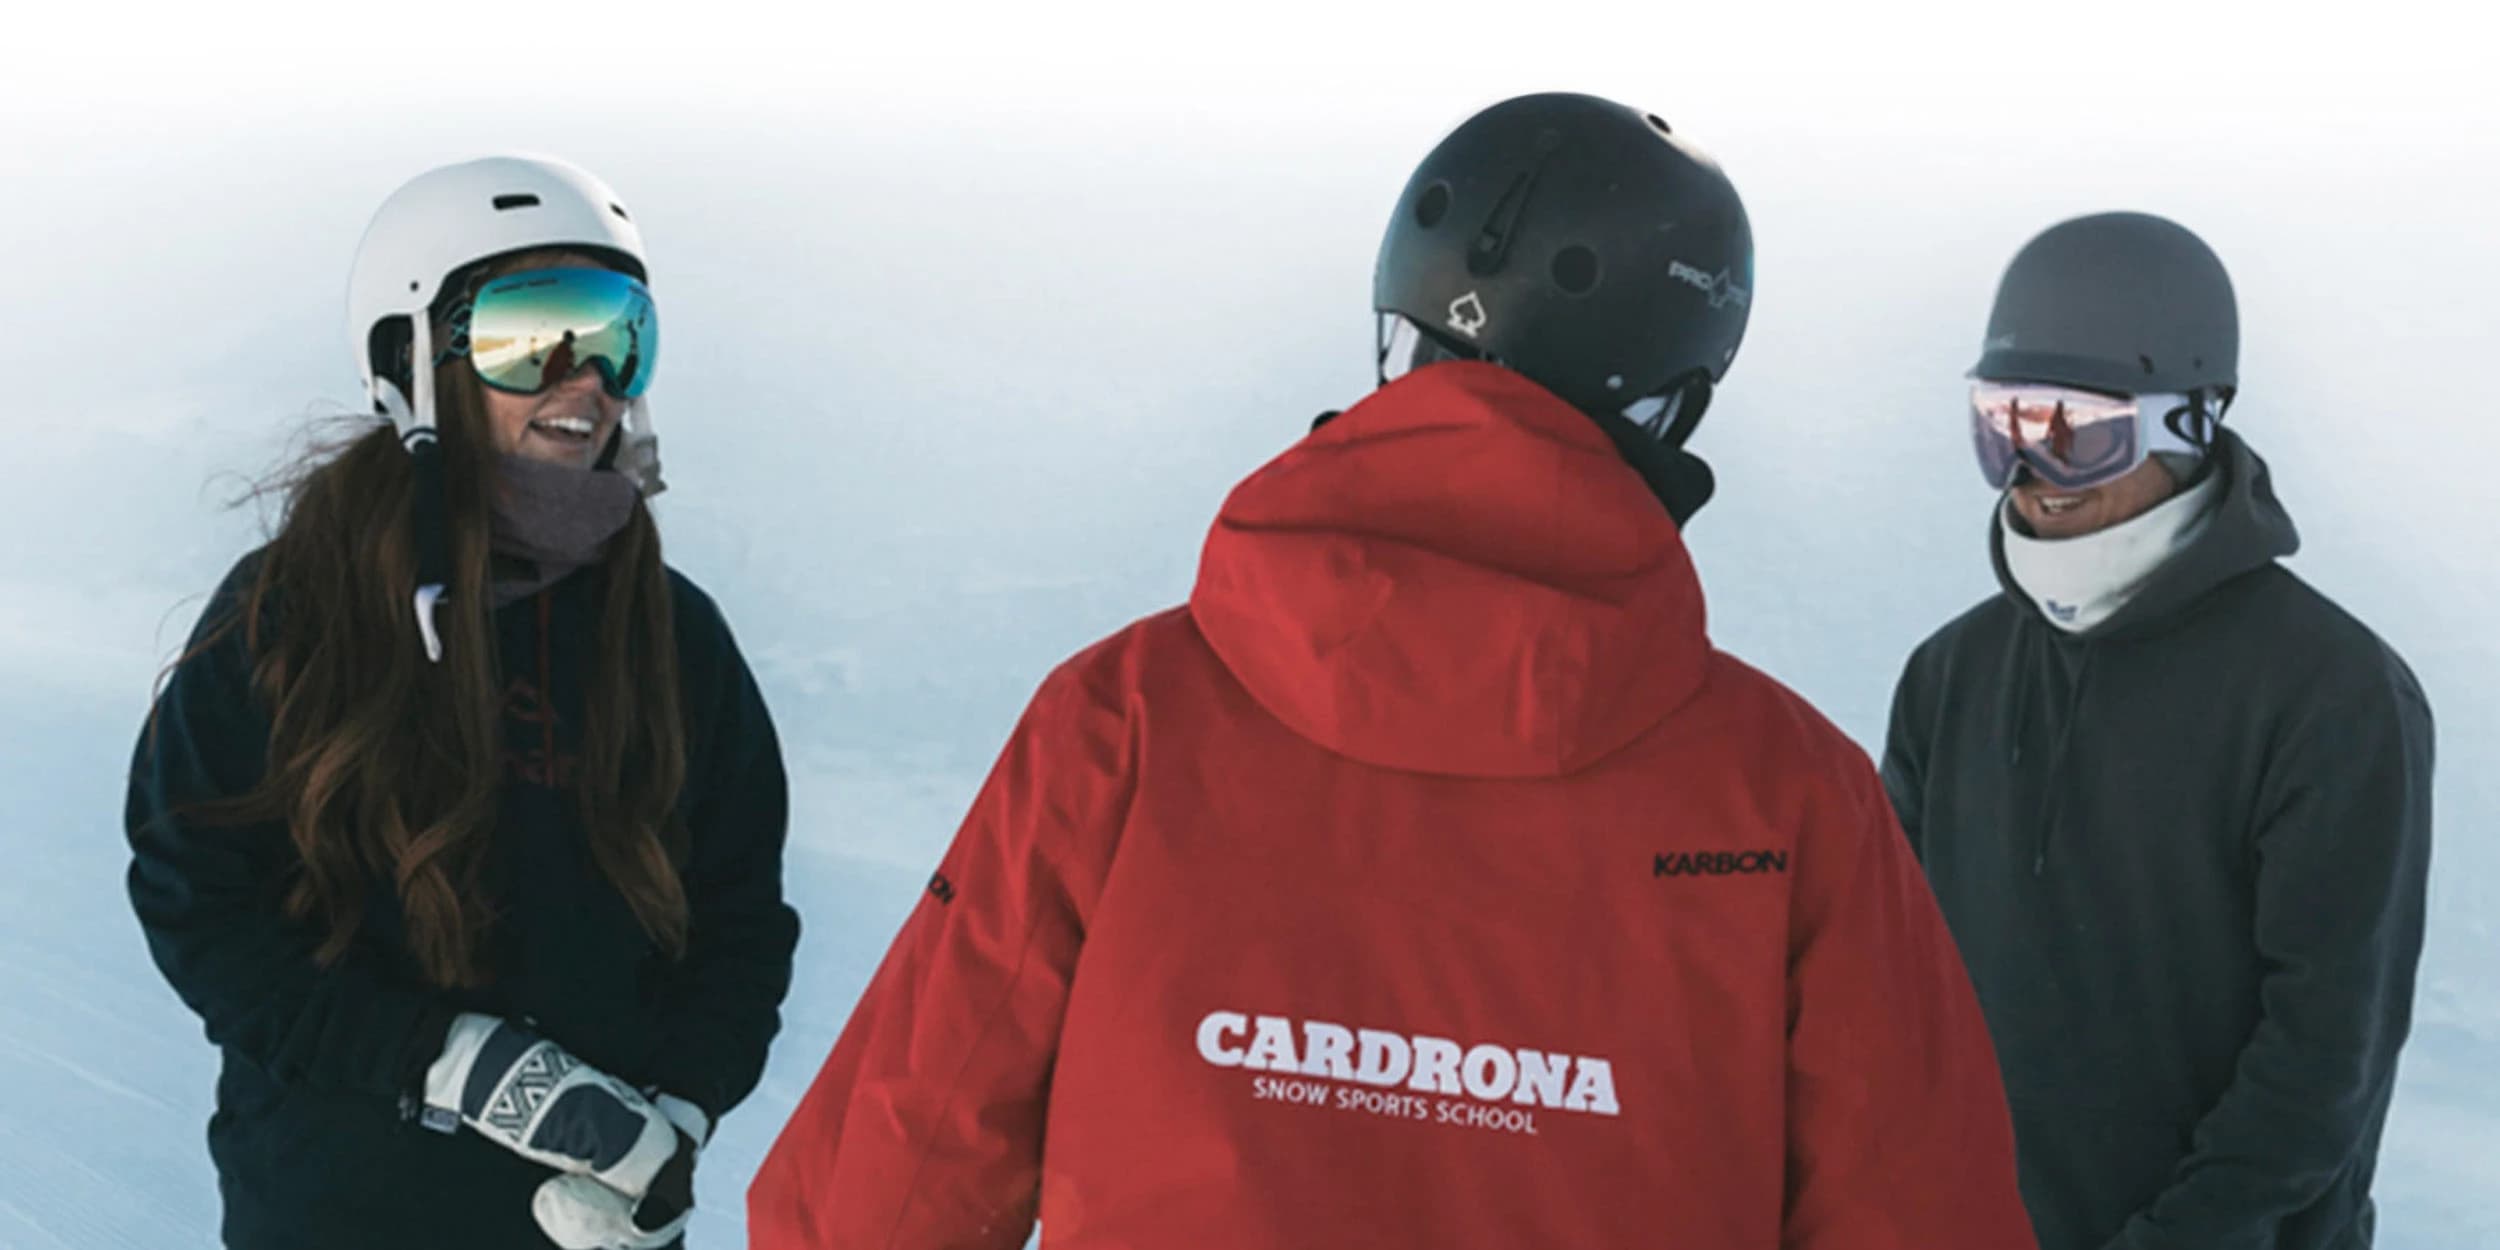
point(2204, 412)
point(429, 534)
point(638, 450)
point(456, 317)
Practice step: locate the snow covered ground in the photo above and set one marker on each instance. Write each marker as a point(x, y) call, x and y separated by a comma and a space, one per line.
point(926, 439)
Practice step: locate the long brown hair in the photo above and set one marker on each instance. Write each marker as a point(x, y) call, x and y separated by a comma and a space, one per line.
point(386, 766)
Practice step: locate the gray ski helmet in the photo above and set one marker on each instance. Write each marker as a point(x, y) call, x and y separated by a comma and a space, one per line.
point(2123, 302)
point(1578, 242)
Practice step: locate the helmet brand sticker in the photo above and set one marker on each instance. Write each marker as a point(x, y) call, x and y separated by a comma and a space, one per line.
point(1722, 289)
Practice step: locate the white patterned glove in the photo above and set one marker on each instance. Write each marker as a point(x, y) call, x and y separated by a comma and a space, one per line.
point(578, 1213)
point(533, 1098)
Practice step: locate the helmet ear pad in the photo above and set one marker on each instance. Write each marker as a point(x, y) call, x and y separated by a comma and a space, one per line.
point(387, 351)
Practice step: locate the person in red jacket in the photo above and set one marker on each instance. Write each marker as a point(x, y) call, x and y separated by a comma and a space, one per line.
point(1428, 879)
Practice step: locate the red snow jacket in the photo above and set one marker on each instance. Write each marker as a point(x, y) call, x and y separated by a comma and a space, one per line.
point(1428, 881)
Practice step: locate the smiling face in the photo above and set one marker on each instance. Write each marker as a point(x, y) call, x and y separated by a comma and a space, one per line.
point(2054, 512)
point(570, 422)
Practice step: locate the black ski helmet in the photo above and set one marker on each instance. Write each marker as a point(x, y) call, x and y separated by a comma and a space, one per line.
point(2122, 302)
point(1580, 243)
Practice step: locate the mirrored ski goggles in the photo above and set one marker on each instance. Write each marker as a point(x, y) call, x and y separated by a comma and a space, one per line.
point(528, 331)
point(2071, 439)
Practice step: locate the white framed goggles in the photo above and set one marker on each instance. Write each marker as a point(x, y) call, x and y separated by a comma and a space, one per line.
point(2071, 438)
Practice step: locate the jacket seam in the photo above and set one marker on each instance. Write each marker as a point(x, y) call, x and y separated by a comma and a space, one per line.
point(954, 1084)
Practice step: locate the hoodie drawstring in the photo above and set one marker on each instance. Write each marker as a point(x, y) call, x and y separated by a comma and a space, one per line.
point(2044, 820)
point(547, 685)
point(2018, 680)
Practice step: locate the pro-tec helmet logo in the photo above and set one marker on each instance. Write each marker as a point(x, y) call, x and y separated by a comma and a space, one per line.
point(1721, 289)
point(1467, 315)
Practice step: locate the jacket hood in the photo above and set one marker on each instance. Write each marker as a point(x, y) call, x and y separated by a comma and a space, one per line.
point(1460, 575)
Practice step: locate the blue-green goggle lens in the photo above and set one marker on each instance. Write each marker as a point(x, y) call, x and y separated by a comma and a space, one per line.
point(532, 330)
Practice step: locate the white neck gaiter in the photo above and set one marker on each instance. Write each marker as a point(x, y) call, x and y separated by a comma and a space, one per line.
point(2081, 582)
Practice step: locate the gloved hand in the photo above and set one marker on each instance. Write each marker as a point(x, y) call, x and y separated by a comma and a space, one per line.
point(578, 1213)
point(533, 1098)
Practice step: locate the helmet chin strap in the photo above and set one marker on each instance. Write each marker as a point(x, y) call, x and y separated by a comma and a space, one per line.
point(1651, 438)
point(420, 377)
point(1653, 442)
point(1677, 413)
point(1692, 402)
point(426, 520)
point(1681, 480)
point(391, 404)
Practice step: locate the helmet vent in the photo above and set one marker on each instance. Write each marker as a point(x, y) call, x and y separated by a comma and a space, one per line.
point(1501, 229)
point(1432, 205)
point(619, 210)
point(1575, 270)
point(506, 203)
point(1657, 123)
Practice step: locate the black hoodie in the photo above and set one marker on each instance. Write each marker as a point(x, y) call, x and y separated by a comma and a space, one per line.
point(314, 1136)
point(2184, 854)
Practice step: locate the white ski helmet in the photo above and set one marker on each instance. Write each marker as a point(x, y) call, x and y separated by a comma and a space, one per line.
point(447, 219)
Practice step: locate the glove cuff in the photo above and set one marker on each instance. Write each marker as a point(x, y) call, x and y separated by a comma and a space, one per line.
point(653, 1148)
point(447, 1078)
point(686, 1116)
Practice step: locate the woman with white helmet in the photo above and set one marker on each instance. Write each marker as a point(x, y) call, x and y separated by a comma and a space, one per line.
point(459, 822)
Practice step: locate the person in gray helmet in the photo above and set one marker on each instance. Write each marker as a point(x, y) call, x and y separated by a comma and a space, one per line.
point(2174, 802)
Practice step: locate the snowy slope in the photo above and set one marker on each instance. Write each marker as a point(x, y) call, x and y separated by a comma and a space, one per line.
point(105, 1081)
point(912, 505)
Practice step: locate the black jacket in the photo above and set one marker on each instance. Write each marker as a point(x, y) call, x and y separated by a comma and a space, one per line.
point(314, 1137)
point(2184, 855)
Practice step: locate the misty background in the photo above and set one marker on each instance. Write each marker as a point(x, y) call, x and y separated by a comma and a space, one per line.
point(973, 319)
